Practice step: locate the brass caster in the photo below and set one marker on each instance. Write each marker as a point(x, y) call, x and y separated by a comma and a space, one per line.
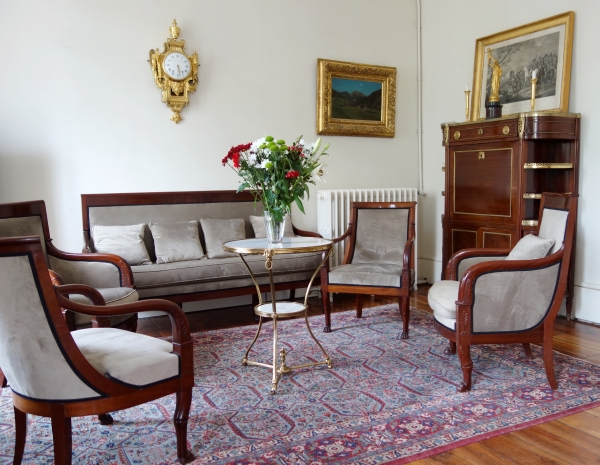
point(449, 351)
point(327, 329)
point(329, 363)
point(245, 361)
point(404, 335)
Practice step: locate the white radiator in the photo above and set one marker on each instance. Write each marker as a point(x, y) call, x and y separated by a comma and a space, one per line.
point(333, 213)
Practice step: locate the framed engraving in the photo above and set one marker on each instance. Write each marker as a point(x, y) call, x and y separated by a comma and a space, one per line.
point(545, 46)
point(355, 99)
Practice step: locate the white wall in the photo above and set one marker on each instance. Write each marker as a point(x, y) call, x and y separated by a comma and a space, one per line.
point(449, 33)
point(80, 112)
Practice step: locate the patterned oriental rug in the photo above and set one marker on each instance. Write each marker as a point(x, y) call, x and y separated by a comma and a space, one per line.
point(385, 400)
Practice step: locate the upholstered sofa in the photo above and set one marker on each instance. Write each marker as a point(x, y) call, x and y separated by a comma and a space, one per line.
point(199, 278)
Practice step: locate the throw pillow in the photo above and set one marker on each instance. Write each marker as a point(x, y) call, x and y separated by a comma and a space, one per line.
point(258, 224)
point(176, 242)
point(530, 247)
point(125, 241)
point(217, 232)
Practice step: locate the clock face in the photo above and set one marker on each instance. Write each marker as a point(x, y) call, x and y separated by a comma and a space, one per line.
point(177, 66)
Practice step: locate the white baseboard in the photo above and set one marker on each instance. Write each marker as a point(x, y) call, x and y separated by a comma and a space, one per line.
point(429, 270)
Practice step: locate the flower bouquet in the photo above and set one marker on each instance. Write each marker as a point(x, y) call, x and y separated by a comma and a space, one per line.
point(278, 175)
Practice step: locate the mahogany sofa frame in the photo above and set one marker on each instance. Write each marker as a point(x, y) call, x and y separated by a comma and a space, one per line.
point(167, 198)
point(463, 337)
point(402, 293)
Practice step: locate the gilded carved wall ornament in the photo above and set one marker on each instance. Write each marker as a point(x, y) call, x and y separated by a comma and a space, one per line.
point(175, 72)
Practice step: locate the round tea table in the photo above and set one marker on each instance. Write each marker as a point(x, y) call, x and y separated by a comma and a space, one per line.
point(280, 310)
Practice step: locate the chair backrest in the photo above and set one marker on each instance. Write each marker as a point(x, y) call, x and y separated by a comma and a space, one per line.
point(32, 354)
point(25, 219)
point(380, 231)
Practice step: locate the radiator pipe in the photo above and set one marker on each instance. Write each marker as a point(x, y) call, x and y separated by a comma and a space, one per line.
point(419, 99)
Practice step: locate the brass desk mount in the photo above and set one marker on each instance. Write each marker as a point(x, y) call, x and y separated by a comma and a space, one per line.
point(175, 72)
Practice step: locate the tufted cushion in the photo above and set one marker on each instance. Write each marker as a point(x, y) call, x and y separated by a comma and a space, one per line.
point(368, 274)
point(217, 232)
point(176, 242)
point(442, 298)
point(130, 358)
point(125, 241)
point(260, 231)
point(530, 247)
point(112, 296)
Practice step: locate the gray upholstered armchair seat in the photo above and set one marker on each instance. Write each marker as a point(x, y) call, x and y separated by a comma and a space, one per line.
point(369, 274)
point(209, 274)
point(127, 357)
point(442, 299)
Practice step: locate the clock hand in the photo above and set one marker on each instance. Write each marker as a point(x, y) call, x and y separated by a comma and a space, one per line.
point(178, 70)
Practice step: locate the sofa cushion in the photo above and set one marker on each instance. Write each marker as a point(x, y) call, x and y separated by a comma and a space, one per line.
point(125, 241)
point(217, 232)
point(220, 269)
point(127, 357)
point(176, 242)
point(530, 247)
point(260, 231)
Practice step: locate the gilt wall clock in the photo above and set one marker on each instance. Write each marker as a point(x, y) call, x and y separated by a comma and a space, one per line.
point(175, 72)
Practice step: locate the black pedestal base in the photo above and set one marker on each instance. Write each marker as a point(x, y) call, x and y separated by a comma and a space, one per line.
point(493, 110)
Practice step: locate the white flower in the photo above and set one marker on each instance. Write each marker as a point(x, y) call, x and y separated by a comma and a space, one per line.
point(252, 159)
point(317, 145)
point(318, 172)
point(267, 152)
point(267, 164)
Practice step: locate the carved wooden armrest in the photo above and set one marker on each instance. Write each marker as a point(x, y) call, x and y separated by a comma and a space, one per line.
point(125, 273)
point(454, 262)
point(90, 293)
point(301, 232)
point(179, 323)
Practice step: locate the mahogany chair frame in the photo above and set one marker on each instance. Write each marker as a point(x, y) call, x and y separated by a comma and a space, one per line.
point(463, 337)
point(114, 396)
point(38, 208)
point(402, 292)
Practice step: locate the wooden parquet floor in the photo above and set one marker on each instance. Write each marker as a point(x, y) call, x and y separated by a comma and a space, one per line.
point(571, 440)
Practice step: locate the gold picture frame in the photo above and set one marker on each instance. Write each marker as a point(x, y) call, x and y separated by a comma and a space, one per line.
point(355, 99)
point(546, 44)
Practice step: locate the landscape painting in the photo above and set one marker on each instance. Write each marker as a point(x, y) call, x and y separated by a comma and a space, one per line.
point(355, 99)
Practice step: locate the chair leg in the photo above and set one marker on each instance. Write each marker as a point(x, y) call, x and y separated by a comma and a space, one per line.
point(451, 349)
point(292, 294)
point(405, 311)
point(327, 310)
point(464, 354)
point(359, 305)
point(527, 349)
point(105, 419)
point(180, 419)
point(61, 434)
point(549, 363)
point(3, 382)
point(20, 436)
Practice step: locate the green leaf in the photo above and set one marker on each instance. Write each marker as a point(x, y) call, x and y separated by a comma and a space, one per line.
point(299, 204)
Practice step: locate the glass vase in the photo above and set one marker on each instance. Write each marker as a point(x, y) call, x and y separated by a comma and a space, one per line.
point(274, 228)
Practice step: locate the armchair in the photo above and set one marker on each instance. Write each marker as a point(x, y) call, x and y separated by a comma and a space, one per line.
point(488, 299)
point(109, 274)
point(379, 257)
point(87, 372)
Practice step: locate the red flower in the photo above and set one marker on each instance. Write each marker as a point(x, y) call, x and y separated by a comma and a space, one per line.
point(292, 174)
point(235, 151)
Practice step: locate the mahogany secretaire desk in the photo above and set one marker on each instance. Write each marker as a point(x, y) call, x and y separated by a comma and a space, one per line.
point(496, 170)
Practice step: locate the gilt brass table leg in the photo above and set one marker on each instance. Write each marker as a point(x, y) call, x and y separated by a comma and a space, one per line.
point(327, 359)
point(245, 359)
point(275, 374)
